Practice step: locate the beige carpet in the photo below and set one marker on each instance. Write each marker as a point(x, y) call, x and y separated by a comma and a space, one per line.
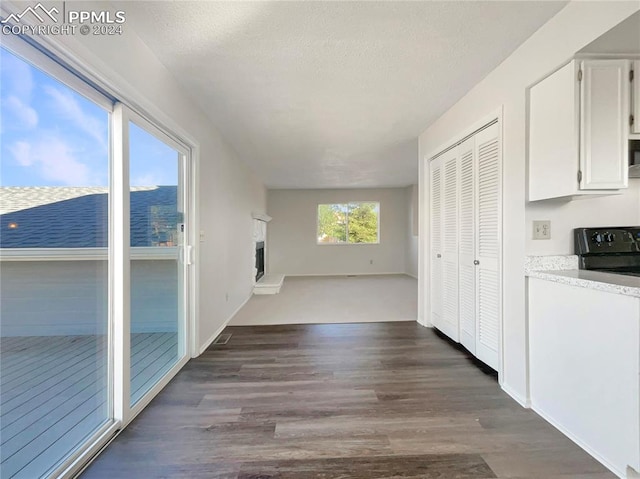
point(334, 299)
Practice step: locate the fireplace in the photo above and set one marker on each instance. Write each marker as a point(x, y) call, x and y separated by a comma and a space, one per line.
point(259, 260)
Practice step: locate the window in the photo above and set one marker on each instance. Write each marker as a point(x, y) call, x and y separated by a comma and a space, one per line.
point(349, 223)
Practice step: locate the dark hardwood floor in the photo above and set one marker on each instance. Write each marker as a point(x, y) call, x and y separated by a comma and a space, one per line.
point(375, 400)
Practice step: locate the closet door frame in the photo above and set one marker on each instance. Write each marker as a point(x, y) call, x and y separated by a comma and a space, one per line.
point(425, 247)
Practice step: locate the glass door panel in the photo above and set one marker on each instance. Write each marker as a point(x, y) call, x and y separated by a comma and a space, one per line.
point(55, 389)
point(157, 272)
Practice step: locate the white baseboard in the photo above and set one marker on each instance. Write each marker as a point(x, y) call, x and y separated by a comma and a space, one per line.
point(586, 448)
point(226, 322)
point(519, 398)
point(424, 323)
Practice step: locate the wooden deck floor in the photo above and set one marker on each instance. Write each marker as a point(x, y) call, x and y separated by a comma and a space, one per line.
point(53, 393)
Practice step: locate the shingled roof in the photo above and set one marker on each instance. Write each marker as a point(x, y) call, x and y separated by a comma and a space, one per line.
point(66, 217)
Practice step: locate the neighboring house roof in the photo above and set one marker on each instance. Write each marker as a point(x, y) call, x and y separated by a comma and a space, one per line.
point(67, 217)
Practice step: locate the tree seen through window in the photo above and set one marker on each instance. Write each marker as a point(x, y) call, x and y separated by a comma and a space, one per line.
point(352, 223)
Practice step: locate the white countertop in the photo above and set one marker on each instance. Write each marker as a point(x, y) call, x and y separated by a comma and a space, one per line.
point(610, 283)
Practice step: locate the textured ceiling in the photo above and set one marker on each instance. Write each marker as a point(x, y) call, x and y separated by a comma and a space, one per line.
point(332, 94)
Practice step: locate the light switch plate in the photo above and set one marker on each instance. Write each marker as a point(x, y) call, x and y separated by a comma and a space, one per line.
point(542, 230)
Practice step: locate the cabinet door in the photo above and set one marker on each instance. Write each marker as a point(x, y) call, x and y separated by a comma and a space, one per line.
point(435, 243)
point(488, 245)
point(553, 135)
point(635, 128)
point(450, 321)
point(604, 117)
point(467, 245)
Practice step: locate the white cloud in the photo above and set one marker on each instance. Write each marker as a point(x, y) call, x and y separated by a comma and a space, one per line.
point(21, 151)
point(53, 159)
point(147, 179)
point(23, 113)
point(69, 108)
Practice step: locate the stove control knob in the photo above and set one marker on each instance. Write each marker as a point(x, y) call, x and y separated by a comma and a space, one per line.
point(609, 237)
point(596, 238)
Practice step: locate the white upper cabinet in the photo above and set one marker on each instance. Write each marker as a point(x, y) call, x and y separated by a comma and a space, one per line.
point(554, 135)
point(635, 126)
point(578, 138)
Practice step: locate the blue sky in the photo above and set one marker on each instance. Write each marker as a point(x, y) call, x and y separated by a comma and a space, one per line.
point(52, 136)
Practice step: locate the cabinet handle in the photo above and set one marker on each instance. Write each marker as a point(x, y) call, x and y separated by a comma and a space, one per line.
point(438, 255)
point(476, 262)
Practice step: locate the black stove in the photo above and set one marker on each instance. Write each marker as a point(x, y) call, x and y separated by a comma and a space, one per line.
point(609, 249)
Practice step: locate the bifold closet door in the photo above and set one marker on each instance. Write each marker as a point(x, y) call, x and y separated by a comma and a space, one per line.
point(467, 245)
point(488, 245)
point(450, 321)
point(435, 283)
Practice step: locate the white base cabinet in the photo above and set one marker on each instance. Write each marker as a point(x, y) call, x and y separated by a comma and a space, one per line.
point(585, 369)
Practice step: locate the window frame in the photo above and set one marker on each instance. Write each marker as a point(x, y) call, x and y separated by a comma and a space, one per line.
point(348, 205)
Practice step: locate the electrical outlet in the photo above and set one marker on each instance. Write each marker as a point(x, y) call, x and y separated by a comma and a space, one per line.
point(201, 236)
point(226, 297)
point(370, 261)
point(542, 230)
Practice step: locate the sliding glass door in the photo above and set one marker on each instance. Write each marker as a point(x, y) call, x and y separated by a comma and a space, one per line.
point(94, 257)
point(55, 388)
point(158, 226)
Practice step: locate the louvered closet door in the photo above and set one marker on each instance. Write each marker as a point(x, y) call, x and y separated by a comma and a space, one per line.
point(467, 246)
point(435, 283)
point(488, 246)
point(450, 320)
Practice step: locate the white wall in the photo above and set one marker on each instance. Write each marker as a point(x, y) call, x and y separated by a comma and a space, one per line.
point(505, 88)
point(411, 251)
point(228, 190)
point(614, 210)
point(291, 235)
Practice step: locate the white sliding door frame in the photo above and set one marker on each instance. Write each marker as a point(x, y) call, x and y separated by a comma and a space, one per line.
point(77, 459)
point(123, 116)
point(104, 88)
point(120, 265)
